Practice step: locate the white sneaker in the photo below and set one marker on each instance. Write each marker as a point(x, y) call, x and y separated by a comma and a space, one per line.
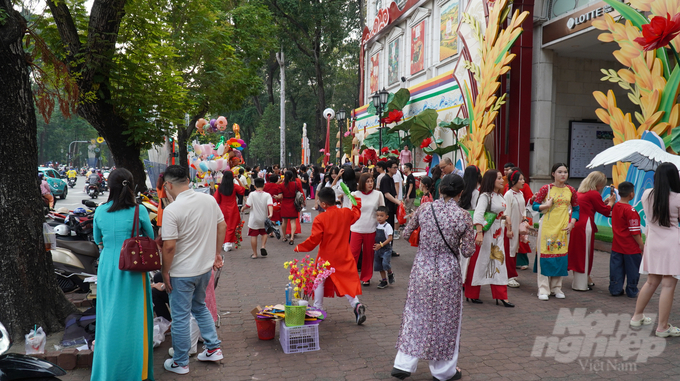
point(396, 235)
point(171, 366)
point(513, 283)
point(206, 355)
point(543, 297)
point(560, 295)
point(227, 246)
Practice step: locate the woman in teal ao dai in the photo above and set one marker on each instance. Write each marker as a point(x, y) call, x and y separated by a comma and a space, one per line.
point(124, 332)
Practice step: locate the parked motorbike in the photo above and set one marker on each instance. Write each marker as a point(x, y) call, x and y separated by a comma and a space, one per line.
point(14, 366)
point(72, 181)
point(76, 256)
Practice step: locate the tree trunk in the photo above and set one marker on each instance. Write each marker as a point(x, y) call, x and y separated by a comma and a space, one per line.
point(184, 133)
point(30, 295)
point(109, 125)
point(94, 72)
point(272, 66)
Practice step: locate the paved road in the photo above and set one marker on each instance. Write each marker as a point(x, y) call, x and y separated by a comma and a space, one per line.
point(497, 342)
point(77, 194)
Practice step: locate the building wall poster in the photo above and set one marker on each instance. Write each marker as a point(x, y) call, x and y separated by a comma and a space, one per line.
point(393, 62)
point(418, 47)
point(448, 38)
point(373, 87)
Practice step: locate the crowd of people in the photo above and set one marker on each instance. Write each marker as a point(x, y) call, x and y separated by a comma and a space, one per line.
point(471, 229)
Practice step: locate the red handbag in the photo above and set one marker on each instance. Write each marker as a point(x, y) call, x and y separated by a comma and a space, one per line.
point(139, 253)
point(414, 239)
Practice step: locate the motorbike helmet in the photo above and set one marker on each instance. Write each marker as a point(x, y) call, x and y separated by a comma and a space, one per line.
point(80, 211)
point(62, 230)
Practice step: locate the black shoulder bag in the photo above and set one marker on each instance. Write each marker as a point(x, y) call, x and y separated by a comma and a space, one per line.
point(434, 215)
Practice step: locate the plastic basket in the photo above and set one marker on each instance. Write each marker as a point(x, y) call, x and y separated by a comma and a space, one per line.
point(266, 328)
point(295, 315)
point(299, 339)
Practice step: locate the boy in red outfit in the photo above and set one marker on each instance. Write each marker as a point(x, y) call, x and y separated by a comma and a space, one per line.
point(331, 231)
point(627, 246)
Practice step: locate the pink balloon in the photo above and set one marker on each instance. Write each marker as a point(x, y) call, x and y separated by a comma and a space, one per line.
point(201, 122)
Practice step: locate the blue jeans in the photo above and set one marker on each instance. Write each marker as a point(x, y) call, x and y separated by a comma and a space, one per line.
point(187, 298)
point(624, 266)
point(382, 259)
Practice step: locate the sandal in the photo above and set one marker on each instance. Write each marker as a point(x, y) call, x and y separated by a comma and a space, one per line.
point(644, 321)
point(254, 256)
point(366, 283)
point(291, 242)
point(670, 331)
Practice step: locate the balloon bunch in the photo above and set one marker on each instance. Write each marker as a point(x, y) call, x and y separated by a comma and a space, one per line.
point(219, 124)
point(226, 156)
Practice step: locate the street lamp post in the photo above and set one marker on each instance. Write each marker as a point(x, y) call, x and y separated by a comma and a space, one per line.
point(379, 99)
point(70, 158)
point(341, 120)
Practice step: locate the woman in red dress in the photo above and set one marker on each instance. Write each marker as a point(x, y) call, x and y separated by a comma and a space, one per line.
point(582, 237)
point(274, 189)
point(288, 211)
point(226, 199)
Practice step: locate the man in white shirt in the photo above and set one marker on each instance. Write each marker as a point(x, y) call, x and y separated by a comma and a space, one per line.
point(193, 231)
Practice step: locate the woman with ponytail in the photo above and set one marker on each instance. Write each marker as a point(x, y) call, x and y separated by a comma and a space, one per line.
point(124, 310)
point(659, 259)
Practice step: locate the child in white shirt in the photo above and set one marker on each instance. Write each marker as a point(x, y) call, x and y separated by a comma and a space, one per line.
point(383, 247)
point(262, 208)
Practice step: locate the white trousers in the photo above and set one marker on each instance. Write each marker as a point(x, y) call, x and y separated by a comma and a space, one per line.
point(318, 297)
point(549, 284)
point(440, 369)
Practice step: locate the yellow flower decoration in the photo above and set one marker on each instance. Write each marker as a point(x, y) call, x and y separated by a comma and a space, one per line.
point(327, 263)
point(290, 277)
point(296, 289)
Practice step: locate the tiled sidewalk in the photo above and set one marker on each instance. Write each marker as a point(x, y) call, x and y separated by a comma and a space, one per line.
point(497, 342)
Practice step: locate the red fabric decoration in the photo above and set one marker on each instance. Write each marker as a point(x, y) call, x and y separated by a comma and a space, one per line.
point(385, 150)
point(426, 143)
point(659, 32)
point(393, 116)
point(427, 159)
point(370, 155)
